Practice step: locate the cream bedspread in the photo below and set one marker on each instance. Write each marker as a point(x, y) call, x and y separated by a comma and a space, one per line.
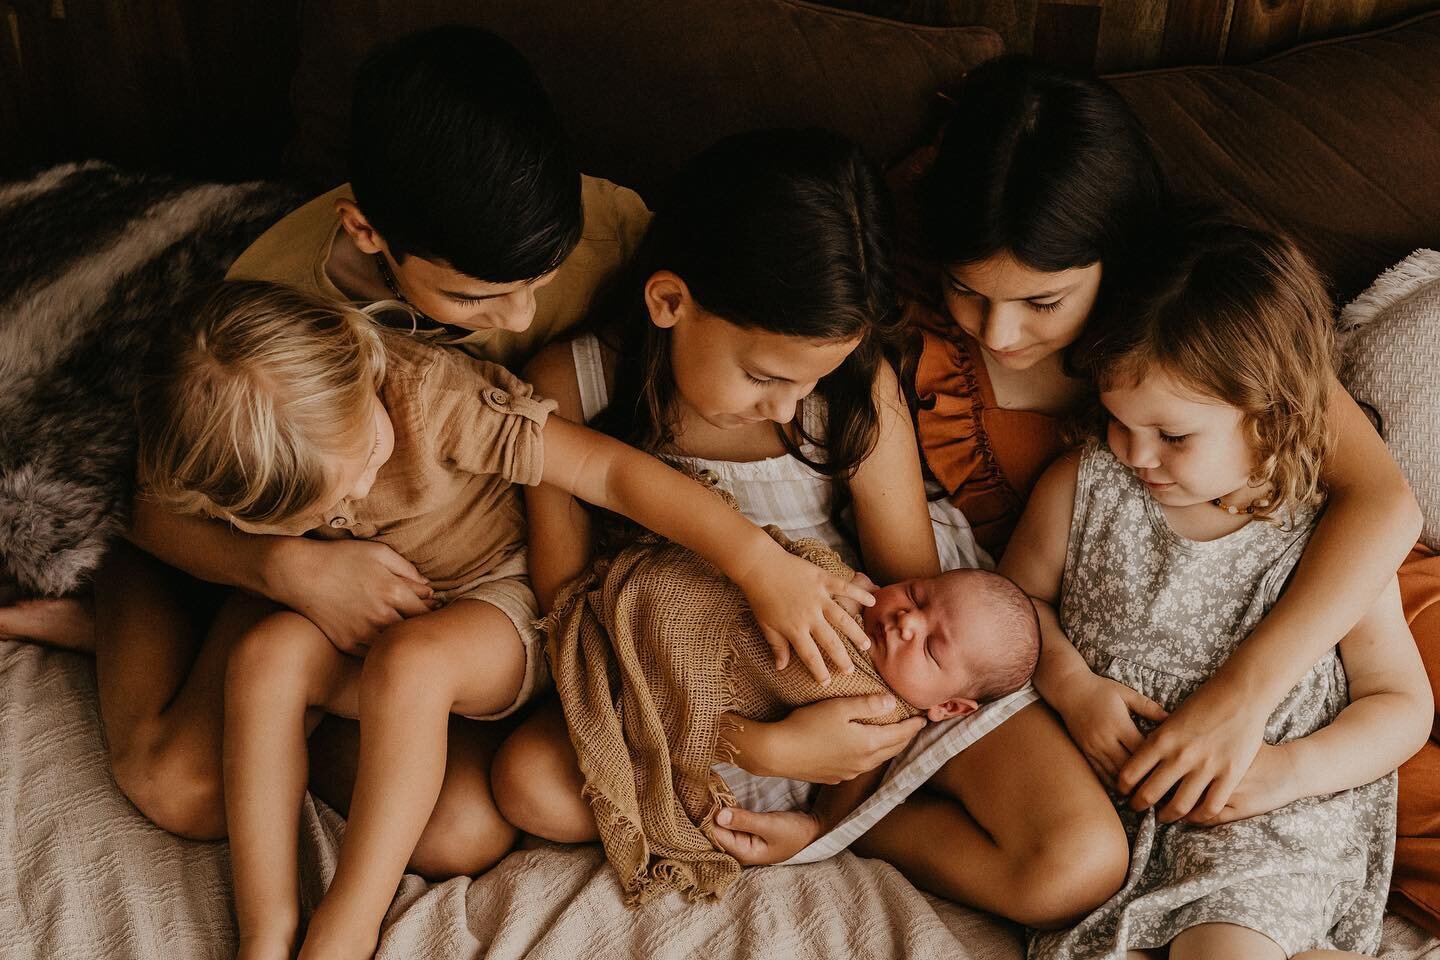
point(83, 876)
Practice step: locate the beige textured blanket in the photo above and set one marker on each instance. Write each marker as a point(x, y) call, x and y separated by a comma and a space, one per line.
point(649, 651)
point(84, 877)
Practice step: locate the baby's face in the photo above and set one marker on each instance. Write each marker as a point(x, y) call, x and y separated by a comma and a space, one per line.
point(918, 645)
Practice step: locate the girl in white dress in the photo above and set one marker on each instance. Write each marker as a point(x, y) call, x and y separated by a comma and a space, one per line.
point(748, 343)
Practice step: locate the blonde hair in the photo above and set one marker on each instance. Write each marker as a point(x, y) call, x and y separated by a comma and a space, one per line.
point(246, 405)
point(1241, 315)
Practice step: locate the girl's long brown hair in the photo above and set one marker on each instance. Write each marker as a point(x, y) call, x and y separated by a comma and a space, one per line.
point(786, 231)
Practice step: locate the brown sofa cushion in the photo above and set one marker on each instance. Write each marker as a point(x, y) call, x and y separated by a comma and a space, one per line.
point(643, 85)
point(1336, 142)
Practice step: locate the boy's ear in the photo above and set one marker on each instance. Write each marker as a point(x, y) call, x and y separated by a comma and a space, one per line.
point(954, 707)
point(666, 297)
point(364, 236)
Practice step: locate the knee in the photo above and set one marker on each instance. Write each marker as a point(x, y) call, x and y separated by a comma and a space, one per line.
point(406, 664)
point(176, 790)
point(267, 660)
point(462, 838)
point(1067, 875)
point(538, 789)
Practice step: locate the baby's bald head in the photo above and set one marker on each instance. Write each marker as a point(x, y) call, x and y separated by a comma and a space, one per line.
point(952, 642)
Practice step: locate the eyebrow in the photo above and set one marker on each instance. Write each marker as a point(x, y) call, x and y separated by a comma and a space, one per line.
point(1034, 296)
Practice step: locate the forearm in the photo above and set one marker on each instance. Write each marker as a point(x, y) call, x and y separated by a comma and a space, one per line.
point(1059, 661)
point(1370, 523)
point(834, 803)
point(1352, 554)
point(671, 504)
point(1371, 737)
point(558, 542)
point(750, 744)
point(208, 549)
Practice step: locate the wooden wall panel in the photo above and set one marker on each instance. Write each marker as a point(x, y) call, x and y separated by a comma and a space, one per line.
point(202, 86)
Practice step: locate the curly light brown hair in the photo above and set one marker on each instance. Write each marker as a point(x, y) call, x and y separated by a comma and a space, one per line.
point(1239, 314)
point(248, 402)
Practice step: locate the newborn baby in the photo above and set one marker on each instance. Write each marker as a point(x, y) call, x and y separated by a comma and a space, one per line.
point(952, 642)
point(944, 644)
point(655, 655)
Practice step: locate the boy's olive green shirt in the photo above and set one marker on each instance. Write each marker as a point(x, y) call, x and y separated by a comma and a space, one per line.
point(296, 248)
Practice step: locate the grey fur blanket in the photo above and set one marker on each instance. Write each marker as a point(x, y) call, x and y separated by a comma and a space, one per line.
point(92, 263)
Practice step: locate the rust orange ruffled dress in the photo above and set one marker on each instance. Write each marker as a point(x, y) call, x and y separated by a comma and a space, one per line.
point(986, 457)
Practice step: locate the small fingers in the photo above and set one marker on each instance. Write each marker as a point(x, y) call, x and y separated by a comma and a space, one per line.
point(829, 640)
point(809, 655)
point(873, 705)
point(1216, 798)
point(1183, 800)
point(778, 647)
point(1138, 767)
point(854, 589)
point(1155, 787)
point(1143, 706)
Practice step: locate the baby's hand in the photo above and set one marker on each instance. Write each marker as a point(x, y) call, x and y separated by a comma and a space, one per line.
point(1098, 713)
point(762, 838)
point(794, 603)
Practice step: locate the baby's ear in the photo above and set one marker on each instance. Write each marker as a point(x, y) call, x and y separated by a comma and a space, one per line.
point(954, 707)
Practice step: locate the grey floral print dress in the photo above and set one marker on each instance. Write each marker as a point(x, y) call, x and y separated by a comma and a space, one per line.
point(1161, 613)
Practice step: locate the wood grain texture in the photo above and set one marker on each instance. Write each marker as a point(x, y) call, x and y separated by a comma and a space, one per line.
point(202, 87)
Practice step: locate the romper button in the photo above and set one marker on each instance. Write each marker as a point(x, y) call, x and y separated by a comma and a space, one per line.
point(499, 397)
point(337, 521)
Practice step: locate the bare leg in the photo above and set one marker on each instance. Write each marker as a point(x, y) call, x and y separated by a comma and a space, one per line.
point(280, 668)
point(1016, 824)
point(538, 783)
point(466, 834)
point(1224, 941)
point(67, 623)
point(466, 658)
point(160, 691)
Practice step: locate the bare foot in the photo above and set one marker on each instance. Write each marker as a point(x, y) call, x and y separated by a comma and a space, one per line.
point(68, 623)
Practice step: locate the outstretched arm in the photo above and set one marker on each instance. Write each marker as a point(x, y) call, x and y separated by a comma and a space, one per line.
point(792, 600)
point(1386, 722)
point(1370, 523)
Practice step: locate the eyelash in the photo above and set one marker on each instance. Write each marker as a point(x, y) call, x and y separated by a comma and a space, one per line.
point(1174, 440)
point(755, 379)
point(1043, 307)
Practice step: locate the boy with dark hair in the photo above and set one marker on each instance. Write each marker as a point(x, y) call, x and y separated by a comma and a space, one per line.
point(466, 205)
point(464, 202)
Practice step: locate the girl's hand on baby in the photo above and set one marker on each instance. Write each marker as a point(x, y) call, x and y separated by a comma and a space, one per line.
point(762, 838)
point(1099, 713)
point(1268, 785)
point(794, 603)
point(350, 589)
point(825, 742)
point(1198, 756)
point(853, 607)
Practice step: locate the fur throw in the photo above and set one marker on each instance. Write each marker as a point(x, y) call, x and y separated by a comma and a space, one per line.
point(92, 262)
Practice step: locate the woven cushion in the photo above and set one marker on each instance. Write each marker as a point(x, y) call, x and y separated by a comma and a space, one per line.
point(1392, 362)
point(642, 86)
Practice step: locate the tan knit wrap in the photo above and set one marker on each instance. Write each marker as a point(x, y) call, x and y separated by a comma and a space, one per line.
point(648, 652)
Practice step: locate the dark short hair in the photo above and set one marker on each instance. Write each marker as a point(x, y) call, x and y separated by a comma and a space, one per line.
point(456, 155)
point(1049, 167)
point(1012, 655)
